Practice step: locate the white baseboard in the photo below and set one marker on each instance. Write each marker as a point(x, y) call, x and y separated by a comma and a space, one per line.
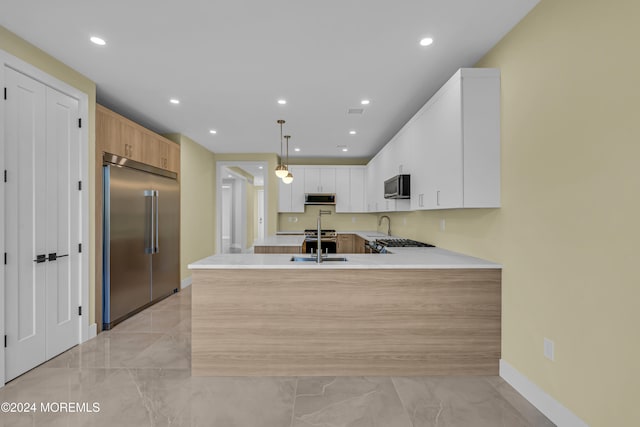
point(93, 330)
point(185, 282)
point(551, 408)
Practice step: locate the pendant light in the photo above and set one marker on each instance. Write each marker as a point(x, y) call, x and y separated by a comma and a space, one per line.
point(281, 169)
point(289, 178)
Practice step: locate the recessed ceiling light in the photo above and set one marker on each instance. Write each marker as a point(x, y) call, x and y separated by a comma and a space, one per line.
point(296, 149)
point(365, 102)
point(174, 101)
point(230, 176)
point(345, 149)
point(352, 132)
point(427, 41)
point(213, 131)
point(259, 167)
point(282, 101)
point(98, 41)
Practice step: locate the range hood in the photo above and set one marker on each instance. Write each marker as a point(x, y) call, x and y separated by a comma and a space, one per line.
point(319, 199)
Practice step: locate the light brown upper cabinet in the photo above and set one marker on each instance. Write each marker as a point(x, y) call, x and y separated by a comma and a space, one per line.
point(174, 157)
point(118, 135)
point(132, 139)
point(108, 132)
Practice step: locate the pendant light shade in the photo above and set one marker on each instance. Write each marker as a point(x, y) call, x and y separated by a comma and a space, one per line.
point(287, 179)
point(281, 170)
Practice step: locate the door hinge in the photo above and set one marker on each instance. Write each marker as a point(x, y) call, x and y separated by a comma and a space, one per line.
point(5, 258)
point(5, 93)
point(5, 175)
point(80, 122)
point(80, 311)
point(80, 247)
point(5, 341)
point(79, 185)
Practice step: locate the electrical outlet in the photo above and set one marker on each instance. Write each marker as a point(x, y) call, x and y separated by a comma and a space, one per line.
point(404, 220)
point(443, 224)
point(549, 349)
point(353, 219)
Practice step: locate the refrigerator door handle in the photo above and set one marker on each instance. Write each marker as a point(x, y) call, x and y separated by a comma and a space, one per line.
point(157, 234)
point(149, 249)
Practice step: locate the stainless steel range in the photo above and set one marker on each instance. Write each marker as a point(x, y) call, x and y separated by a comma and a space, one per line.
point(379, 246)
point(329, 240)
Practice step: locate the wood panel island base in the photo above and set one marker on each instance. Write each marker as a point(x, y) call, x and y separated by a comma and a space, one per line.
point(345, 322)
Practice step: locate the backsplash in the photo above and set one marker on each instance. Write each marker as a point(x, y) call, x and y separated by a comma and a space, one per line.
point(337, 221)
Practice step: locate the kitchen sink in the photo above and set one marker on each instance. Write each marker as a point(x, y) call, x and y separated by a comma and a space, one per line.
point(313, 259)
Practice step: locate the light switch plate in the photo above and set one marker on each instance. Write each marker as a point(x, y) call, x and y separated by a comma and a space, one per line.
point(549, 349)
point(443, 224)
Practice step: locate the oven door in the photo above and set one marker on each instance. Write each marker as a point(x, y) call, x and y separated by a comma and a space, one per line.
point(328, 246)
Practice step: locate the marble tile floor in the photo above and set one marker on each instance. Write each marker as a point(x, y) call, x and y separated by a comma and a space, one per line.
point(139, 375)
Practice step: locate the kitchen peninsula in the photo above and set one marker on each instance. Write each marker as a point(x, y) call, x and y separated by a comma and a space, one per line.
point(417, 311)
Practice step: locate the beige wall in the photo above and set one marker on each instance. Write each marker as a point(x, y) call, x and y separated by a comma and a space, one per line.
point(197, 202)
point(568, 230)
point(14, 45)
point(340, 221)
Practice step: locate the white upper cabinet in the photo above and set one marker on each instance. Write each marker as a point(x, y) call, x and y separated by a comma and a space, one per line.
point(450, 148)
point(456, 146)
point(350, 189)
point(291, 196)
point(320, 180)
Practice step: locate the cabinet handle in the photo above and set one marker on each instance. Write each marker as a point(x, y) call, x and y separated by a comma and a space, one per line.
point(438, 198)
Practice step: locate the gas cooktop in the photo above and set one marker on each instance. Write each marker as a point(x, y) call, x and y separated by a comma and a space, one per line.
point(403, 243)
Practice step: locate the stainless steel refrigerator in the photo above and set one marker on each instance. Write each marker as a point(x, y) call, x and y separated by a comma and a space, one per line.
point(141, 253)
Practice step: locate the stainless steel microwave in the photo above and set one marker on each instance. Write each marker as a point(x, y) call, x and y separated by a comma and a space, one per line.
point(319, 199)
point(398, 187)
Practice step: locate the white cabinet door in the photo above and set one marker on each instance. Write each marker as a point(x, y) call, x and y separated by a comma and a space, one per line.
point(312, 180)
point(327, 180)
point(350, 189)
point(320, 179)
point(446, 115)
point(291, 196)
point(343, 190)
point(42, 217)
point(284, 196)
point(357, 189)
point(374, 185)
point(297, 188)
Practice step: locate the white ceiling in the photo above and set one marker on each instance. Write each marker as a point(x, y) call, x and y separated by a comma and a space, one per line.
point(228, 62)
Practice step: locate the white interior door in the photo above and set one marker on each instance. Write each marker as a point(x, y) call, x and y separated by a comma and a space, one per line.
point(25, 221)
point(41, 218)
point(62, 223)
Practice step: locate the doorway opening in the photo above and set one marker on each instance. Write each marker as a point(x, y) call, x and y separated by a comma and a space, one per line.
point(241, 213)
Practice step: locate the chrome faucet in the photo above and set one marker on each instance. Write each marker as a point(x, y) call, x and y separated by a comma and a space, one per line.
point(319, 249)
point(388, 224)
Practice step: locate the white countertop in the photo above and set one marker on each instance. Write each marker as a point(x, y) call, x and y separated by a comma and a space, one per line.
point(401, 258)
point(366, 235)
point(281, 240)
